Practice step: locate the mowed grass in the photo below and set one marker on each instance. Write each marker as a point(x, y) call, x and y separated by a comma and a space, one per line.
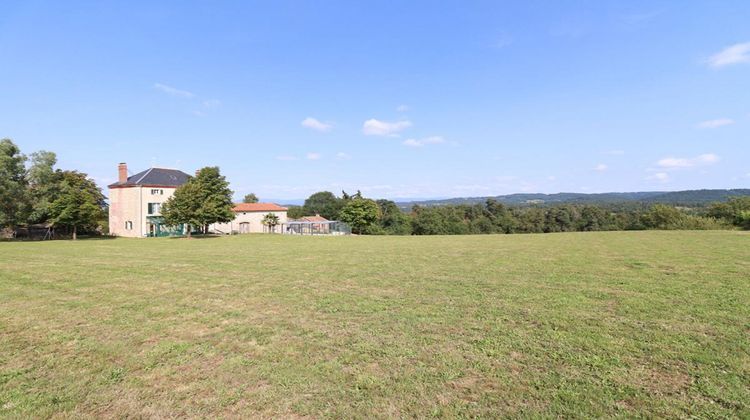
point(577, 324)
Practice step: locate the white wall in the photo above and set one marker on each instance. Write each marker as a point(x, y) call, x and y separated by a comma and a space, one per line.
point(131, 204)
point(253, 218)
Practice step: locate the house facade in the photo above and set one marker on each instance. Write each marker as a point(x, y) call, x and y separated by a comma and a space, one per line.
point(135, 206)
point(135, 201)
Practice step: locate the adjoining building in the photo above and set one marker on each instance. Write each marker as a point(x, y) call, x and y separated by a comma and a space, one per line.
point(135, 206)
point(248, 218)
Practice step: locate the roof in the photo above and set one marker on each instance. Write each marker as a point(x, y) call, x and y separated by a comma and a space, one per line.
point(251, 207)
point(160, 177)
point(316, 218)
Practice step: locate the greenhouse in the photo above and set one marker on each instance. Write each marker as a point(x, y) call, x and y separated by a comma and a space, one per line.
point(329, 227)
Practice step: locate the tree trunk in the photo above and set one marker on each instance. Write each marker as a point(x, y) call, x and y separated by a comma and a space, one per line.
point(74, 232)
point(188, 230)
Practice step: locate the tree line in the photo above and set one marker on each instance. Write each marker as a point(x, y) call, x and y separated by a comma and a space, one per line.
point(378, 217)
point(33, 192)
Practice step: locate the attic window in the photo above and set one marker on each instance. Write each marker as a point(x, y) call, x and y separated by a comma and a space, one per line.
point(157, 192)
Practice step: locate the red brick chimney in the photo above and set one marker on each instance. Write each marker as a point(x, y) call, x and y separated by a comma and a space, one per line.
point(122, 172)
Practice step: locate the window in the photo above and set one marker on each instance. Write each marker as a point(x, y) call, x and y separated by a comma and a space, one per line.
point(157, 192)
point(154, 208)
point(128, 225)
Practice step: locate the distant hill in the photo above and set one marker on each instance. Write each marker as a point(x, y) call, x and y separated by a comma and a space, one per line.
point(679, 198)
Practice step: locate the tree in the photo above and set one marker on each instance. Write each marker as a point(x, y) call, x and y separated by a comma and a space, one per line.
point(271, 220)
point(215, 197)
point(427, 221)
point(44, 185)
point(13, 198)
point(250, 198)
point(295, 212)
point(183, 207)
point(734, 211)
point(325, 204)
point(80, 204)
point(201, 201)
point(743, 219)
point(392, 219)
point(361, 214)
point(661, 216)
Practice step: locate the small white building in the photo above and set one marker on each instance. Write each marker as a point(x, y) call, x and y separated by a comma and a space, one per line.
point(249, 219)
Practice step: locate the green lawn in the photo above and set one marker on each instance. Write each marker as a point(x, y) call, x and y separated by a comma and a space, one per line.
point(576, 324)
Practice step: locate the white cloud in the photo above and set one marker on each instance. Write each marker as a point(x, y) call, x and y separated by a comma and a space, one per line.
point(373, 127)
point(678, 163)
point(402, 108)
point(313, 156)
point(659, 176)
point(601, 167)
point(552, 178)
point(719, 122)
point(343, 156)
point(424, 142)
point(734, 54)
point(286, 157)
point(316, 125)
point(173, 91)
point(211, 103)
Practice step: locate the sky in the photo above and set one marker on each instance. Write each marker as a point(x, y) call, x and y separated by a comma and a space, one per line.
point(398, 99)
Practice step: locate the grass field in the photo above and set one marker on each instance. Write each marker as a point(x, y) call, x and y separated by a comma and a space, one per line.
point(578, 324)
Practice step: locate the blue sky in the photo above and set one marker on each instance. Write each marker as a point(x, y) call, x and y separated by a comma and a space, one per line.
point(396, 98)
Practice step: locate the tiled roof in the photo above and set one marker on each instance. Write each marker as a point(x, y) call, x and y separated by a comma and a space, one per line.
point(316, 218)
point(155, 176)
point(250, 207)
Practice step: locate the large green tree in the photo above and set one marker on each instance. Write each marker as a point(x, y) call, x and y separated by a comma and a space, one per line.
point(13, 197)
point(203, 200)
point(323, 203)
point(79, 205)
point(183, 207)
point(361, 214)
point(216, 197)
point(44, 185)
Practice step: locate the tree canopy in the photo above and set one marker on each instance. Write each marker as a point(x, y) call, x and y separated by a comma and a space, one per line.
point(44, 185)
point(13, 194)
point(324, 203)
point(80, 202)
point(250, 198)
point(361, 214)
point(203, 200)
point(183, 207)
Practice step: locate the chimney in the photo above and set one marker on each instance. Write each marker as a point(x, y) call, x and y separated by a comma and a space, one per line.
point(122, 172)
point(197, 171)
